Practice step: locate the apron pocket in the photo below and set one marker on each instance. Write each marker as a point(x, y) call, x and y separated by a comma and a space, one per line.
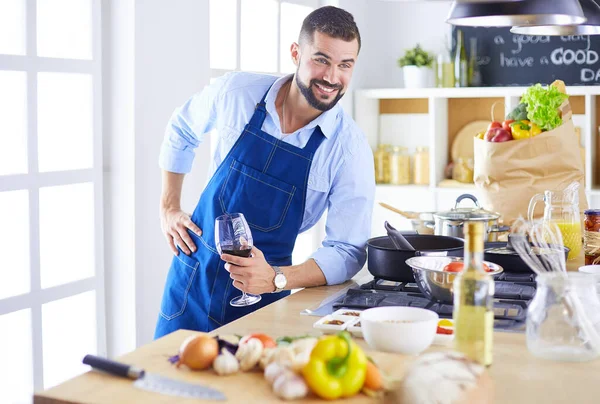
point(179, 281)
point(262, 199)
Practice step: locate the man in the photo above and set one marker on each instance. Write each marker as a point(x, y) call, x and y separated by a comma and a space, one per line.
point(286, 153)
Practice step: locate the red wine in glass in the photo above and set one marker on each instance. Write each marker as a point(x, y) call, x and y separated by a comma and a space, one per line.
point(238, 251)
point(233, 236)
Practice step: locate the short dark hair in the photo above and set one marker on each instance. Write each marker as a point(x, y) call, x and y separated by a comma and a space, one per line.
point(332, 21)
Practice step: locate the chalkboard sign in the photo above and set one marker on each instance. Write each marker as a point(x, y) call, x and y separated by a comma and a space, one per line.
point(506, 59)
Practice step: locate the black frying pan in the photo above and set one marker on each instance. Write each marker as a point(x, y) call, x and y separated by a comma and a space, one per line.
point(500, 253)
point(386, 262)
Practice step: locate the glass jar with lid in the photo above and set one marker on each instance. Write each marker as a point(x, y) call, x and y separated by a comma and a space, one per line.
point(421, 166)
point(563, 319)
point(382, 164)
point(591, 236)
point(399, 166)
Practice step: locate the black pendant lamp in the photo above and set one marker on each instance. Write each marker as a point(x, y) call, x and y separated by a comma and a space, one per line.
point(526, 12)
point(591, 10)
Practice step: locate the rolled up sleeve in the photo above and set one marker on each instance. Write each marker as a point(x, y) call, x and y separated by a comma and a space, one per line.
point(348, 225)
point(187, 126)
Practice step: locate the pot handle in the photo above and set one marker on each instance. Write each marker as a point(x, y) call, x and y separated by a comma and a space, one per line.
point(431, 253)
point(500, 229)
point(466, 196)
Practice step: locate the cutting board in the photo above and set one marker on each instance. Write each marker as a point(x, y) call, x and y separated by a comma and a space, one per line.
point(462, 146)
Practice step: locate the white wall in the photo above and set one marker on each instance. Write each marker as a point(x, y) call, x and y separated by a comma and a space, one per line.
point(390, 28)
point(157, 58)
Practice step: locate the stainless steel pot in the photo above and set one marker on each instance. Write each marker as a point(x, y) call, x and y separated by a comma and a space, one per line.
point(451, 223)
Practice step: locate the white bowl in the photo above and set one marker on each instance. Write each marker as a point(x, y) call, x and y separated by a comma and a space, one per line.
point(405, 330)
point(590, 269)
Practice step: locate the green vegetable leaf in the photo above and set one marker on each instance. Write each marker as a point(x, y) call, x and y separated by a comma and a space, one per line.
point(542, 106)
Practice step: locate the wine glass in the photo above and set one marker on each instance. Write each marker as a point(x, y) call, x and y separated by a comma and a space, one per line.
point(233, 236)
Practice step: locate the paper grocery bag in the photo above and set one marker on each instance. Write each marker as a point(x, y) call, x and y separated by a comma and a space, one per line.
point(509, 174)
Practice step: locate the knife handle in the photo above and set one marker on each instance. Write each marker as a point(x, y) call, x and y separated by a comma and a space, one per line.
point(112, 367)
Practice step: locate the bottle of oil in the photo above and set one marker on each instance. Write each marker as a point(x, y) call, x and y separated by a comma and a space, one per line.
point(473, 301)
point(461, 63)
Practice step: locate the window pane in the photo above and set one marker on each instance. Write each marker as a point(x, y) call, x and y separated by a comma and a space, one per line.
point(259, 35)
point(65, 124)
point(68, 334)
point(64, 29)
point(14, 239)
point(66, 234)
point(292, 16)
point(12, 27)
point(16, 366)
point(13, 131)
point(223, 34)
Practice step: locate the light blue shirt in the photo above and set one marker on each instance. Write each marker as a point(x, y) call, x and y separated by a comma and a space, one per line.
point(341, 178)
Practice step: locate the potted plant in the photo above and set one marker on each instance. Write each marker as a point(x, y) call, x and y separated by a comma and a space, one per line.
point(417, 67)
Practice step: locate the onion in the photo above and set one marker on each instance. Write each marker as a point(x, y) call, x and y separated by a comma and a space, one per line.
point(198, 352)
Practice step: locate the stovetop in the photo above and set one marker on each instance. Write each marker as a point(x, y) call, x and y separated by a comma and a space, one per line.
point(513, 293)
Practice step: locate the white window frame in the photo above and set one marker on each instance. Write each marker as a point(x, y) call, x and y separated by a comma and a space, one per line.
point(215, 73)
point(33, 180)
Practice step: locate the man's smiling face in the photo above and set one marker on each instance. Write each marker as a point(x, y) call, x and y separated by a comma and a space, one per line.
point(324, 69)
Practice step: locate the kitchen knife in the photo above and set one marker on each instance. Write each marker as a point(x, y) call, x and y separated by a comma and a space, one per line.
point(153, 382)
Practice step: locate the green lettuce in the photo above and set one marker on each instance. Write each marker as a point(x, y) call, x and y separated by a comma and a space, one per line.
point(542, 106)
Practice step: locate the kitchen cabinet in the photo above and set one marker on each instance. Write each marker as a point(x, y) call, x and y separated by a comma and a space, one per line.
point(439, 114)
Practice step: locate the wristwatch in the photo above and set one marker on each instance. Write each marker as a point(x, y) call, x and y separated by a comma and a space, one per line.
point(280, 280)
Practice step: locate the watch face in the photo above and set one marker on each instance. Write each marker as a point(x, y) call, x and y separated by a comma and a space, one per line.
point(280, 281)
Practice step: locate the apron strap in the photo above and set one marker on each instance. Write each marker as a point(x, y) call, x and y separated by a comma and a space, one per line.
point(260, 112)
point(315, 140)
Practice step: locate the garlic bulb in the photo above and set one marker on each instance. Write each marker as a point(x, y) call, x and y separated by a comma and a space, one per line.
point(289, 386)
point(226, 363)
point(443, 378)
point(272, 371)
point(249, 353)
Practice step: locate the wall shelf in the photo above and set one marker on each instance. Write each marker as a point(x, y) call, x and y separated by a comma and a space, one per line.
point(445, 111)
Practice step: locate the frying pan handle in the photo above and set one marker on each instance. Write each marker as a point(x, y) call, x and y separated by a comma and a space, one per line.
point(112, 367)
point(466, 196)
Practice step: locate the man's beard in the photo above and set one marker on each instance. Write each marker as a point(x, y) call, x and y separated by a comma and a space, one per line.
point(310, 97)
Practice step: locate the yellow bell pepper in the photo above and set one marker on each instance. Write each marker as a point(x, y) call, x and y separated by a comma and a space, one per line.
point(337, 367)
point(524, 129)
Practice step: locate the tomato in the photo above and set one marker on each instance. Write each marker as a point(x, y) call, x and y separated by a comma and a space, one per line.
point(457, 266)
point(506, 124)
point(445, 331)
point(267, 341)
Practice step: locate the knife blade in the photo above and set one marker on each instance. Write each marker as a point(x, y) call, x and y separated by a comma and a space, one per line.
point(153, 382)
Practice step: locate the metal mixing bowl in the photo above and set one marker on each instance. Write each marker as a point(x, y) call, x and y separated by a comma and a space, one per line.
point(436, 284)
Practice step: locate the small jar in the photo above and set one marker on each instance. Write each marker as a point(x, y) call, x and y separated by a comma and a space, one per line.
point(591, 236)
point(421, 170)
point(399, 166)
point(382, 164)
point(463, 170)
point(563, 317)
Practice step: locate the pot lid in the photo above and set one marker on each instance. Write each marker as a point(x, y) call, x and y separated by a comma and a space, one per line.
point(467, 213)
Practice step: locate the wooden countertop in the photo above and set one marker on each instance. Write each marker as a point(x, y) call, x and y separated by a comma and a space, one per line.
point(519, 377)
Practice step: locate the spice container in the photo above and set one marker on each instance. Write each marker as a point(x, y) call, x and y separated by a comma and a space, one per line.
point(421, 170)
point(332, 324)
point(399, 166)
point(382, 164)
point(591, 236)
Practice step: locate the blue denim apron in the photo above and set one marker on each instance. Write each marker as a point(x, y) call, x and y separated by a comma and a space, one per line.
point(266, 180)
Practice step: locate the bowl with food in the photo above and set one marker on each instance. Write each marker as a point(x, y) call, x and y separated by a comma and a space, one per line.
point(435, 275)
point(405, 330)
